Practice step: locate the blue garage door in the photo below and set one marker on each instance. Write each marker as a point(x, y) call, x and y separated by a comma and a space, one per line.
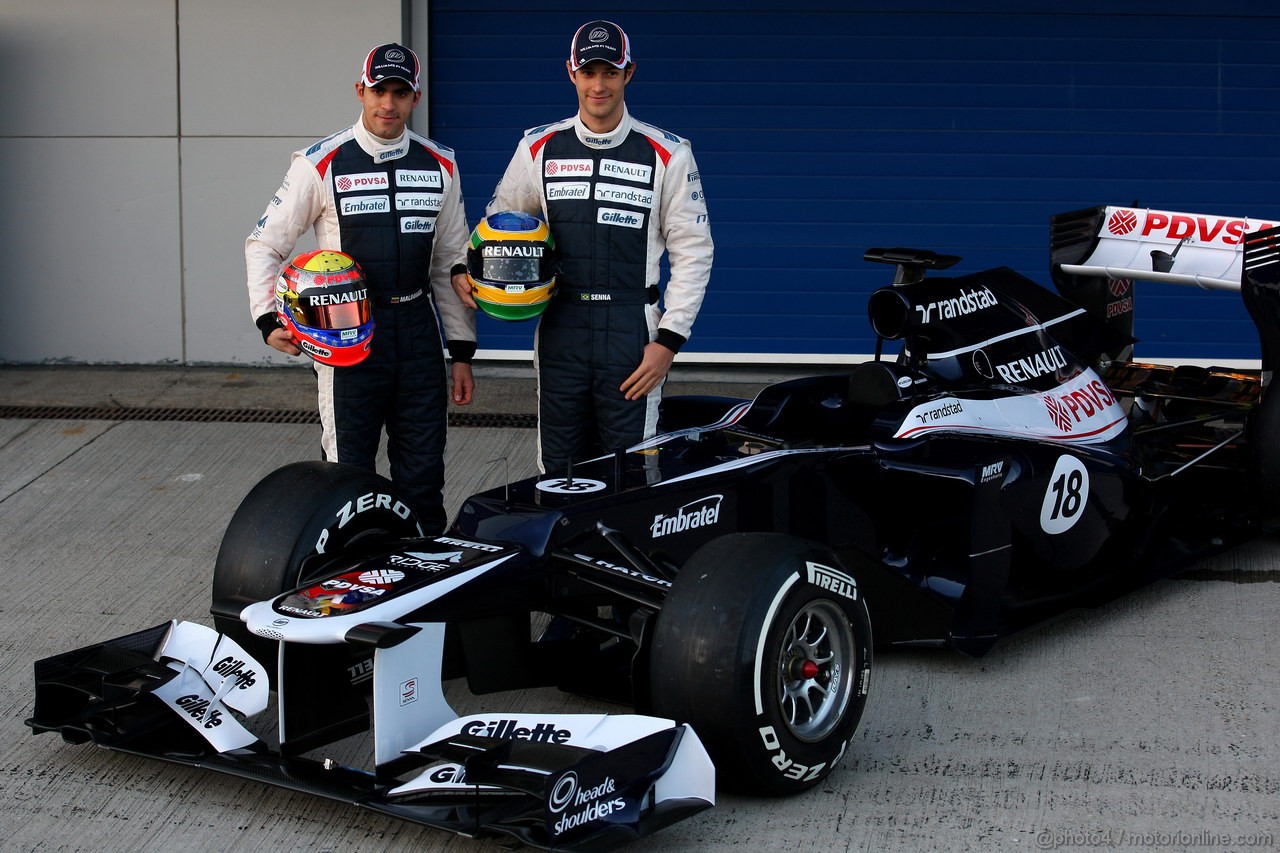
point(822, 133)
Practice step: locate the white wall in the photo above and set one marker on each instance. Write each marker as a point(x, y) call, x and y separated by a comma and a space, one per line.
point(143, 140)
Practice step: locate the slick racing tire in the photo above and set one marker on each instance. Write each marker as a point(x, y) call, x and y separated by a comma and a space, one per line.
point(295, 513)
point(764, 646)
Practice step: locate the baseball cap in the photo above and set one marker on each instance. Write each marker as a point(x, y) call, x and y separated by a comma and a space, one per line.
point(600, 40)
point(390, 60)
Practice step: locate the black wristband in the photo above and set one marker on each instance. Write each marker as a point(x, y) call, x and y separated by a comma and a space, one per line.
point(267, 324)
point(457, 269)
point(462, 351)
point(669, 339)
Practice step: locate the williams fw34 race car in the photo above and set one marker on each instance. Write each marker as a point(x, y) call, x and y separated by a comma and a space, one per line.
point(723, 579)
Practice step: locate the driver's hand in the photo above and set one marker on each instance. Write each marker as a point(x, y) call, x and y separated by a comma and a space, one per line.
point(281, 339)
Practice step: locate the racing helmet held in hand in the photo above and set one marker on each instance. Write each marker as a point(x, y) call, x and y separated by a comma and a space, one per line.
point(322, 298)
point(511, 265)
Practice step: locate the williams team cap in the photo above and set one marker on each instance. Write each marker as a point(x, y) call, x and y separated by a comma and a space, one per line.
point(600, 40)
point(390, 60)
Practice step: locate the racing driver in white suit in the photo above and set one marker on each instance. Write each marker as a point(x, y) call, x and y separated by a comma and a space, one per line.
point(391, 199)
point(616, 193)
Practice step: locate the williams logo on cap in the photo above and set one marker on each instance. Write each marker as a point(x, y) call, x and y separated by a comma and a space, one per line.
point(391, 61)
point(603, 40)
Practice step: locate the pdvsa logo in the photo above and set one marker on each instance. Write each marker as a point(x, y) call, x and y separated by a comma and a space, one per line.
point(363, 181)
point(1122, 222)
point(1067, 410)
point(551, 168)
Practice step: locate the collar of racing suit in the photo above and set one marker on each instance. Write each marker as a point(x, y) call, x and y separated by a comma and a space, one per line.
point(612, 139)
point(381, 150)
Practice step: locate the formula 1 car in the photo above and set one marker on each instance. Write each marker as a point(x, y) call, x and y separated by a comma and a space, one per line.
point(723, 578)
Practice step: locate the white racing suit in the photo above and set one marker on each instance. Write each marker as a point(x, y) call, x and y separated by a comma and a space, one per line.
point(615, 202)
point(396, 207)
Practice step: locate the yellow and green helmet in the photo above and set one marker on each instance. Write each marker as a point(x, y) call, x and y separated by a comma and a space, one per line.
point(511, 265)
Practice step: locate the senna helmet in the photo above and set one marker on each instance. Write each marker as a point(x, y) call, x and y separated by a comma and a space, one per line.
point(511, 265)
point(322, 298)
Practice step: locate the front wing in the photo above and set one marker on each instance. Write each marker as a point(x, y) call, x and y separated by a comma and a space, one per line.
point(183, 693)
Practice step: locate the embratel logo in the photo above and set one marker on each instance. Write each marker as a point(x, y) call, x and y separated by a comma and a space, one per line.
point(702, 512)
point(366, 204)
point(1122, 222)
point(568, 190)
point(551, 168)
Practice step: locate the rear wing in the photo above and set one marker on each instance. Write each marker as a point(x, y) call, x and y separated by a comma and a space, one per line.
point(1151, 245)
point(1098, 253)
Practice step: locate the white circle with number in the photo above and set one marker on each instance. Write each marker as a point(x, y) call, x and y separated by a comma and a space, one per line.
point(1065, 499)
point(566, 486)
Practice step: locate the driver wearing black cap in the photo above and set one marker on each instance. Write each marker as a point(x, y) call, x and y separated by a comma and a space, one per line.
point(390, 199)
point(617, 193)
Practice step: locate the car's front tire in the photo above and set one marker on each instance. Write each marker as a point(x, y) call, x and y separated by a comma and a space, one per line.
point(293, 516)
point(764, 646)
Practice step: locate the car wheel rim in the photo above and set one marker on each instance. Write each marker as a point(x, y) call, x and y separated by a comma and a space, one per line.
point(815, 670)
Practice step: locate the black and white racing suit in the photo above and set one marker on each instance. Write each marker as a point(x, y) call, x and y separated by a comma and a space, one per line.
point(396, 207)
point(615, 202)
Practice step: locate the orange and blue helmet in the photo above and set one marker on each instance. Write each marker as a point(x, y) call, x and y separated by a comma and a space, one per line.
point(511, 265)
point(322, 298)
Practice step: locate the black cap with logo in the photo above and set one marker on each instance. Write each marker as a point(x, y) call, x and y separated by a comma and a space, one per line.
point(388, 61)
point(603, 40)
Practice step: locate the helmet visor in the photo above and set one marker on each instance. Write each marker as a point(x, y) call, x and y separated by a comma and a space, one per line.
point(330, 308)
point(512, 270)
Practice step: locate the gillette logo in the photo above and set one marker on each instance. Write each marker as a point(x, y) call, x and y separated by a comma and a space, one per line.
point(512, 730)
point(625, 218)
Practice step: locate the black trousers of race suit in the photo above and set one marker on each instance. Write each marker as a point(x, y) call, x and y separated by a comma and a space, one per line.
point(401, 386)
point(586, 348)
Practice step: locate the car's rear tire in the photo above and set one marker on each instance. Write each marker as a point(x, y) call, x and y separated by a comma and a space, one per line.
point(292, 515)
point(764, 646)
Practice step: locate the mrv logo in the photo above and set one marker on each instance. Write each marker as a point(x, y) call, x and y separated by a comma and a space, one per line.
point(578, 805)
point(700, 513)
point(968, 302)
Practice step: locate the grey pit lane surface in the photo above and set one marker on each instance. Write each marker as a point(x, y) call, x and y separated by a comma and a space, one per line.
point(1154, 719)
